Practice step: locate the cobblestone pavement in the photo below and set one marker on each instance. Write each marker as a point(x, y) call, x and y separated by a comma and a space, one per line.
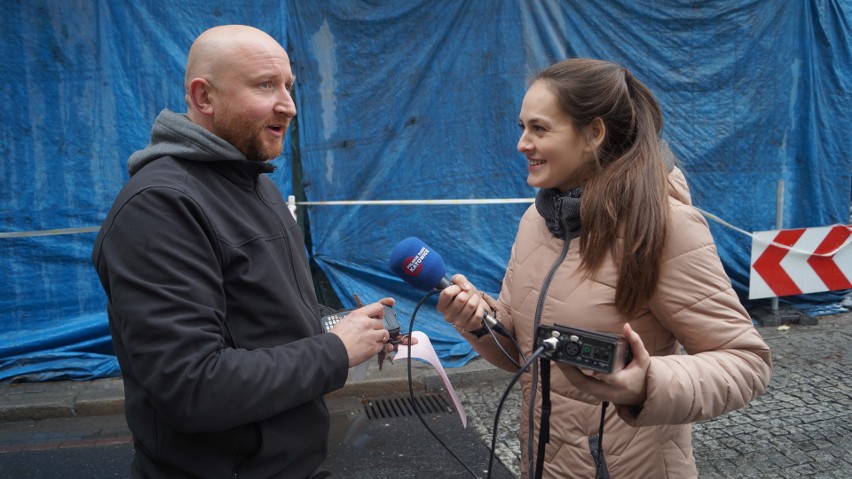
point(800, 427)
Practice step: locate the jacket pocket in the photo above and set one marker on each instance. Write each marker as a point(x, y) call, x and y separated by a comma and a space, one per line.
point(247, 448)
point(676, 462)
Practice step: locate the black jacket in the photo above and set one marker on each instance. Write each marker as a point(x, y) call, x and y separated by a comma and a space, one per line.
point(213, 315)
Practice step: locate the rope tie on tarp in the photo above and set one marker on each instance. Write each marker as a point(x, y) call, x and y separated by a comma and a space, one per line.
point(486, 201)
point(62, 231)
point(829, 254)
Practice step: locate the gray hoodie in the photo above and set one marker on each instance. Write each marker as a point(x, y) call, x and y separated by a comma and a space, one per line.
point(173, 134)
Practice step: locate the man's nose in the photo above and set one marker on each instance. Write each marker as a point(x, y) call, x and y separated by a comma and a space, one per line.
point(285, 103)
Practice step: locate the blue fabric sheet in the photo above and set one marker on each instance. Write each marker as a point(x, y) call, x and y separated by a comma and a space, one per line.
point(401, 101)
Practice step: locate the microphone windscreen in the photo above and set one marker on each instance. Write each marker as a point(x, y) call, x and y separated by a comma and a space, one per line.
point(417, 264)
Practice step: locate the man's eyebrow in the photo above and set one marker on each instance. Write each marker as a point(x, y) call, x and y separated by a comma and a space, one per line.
point(257, 76)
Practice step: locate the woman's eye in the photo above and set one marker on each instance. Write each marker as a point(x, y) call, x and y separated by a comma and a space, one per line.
point(534, 128)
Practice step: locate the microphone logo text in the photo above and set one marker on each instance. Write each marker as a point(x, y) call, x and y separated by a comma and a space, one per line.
point(413, 264)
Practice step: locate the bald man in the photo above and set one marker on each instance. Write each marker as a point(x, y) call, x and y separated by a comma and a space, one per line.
point(211, 305)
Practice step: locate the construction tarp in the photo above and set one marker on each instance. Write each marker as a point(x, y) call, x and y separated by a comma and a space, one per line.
point(400, 103)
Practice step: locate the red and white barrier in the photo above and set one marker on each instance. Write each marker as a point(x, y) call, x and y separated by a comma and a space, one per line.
point(800, 261)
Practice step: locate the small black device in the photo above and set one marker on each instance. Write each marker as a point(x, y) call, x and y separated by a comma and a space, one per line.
point(391, 323)
point(585, 349)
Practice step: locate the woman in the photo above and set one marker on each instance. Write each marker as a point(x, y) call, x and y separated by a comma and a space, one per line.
point(612, 244)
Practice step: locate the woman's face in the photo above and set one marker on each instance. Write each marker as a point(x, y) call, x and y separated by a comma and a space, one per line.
point(557, 154)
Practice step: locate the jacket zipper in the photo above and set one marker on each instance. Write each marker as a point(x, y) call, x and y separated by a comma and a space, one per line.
point(536, 321)
point(240, 463)
point(286, 239)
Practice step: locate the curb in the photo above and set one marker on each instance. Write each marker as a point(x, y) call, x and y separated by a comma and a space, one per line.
point(101, 397)
point(57, 399)
point(104, 397)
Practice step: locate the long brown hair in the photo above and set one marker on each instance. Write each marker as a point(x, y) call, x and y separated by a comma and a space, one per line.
point(626, 193)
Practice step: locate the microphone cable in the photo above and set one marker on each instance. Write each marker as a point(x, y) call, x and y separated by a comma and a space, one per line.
point(411, 389)
point(538, 352)
point(521, 369)
point(505, 353)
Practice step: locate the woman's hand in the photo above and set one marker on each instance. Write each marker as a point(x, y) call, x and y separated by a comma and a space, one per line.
point(461, 305)
point(626, 387)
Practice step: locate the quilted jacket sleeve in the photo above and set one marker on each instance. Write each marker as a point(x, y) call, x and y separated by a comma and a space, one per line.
point(728, 363)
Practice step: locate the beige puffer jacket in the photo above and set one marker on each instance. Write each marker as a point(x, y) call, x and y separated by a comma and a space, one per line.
point(694, 306)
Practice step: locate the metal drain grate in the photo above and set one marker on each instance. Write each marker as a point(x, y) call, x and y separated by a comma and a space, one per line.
point(427, 403)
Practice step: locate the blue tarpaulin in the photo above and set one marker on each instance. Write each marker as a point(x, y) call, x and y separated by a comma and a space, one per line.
point(400, 100)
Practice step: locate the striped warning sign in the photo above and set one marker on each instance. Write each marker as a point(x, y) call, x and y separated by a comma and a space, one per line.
point(800, 261)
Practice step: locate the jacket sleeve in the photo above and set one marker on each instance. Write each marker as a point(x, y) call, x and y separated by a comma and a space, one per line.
point(160, 267)
point(727, 363)
point(485, 345)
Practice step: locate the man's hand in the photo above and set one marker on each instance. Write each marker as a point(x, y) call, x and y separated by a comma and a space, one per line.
point(363, 331)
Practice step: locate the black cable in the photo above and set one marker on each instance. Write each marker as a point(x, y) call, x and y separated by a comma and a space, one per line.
point(521, 370)
point(544, 422)
point(538, 352)
point(411, 388)
point(505, 334)
point(598, 469)
point(505, 353)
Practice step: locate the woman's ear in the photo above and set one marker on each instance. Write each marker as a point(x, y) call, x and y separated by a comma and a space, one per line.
point(595, 134)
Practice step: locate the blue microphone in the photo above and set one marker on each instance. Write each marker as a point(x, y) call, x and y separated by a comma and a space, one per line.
point(419, 265)
point(422, 268)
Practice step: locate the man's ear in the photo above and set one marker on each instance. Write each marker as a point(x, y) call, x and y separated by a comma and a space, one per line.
point(595, 133)
point(199, 95)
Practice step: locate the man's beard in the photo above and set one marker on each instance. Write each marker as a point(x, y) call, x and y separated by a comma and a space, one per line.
point(246, 135)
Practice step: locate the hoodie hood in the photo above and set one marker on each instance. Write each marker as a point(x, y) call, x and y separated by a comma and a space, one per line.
point(173, 134)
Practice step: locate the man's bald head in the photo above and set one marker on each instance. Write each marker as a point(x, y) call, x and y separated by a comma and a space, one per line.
point(216, 50)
